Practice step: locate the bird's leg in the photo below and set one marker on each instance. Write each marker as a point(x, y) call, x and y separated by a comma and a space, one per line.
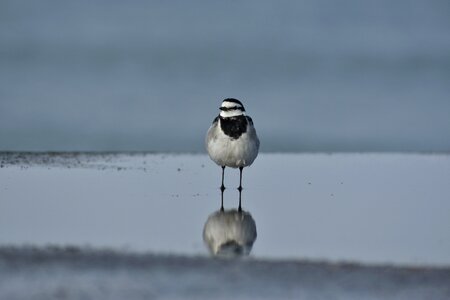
point(221, 206)
point(222, 187)
point(240, 179)
point(240, 187)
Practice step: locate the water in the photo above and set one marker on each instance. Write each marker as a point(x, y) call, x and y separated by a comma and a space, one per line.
point(314, 75)
point(366, 208)
point(134, 226)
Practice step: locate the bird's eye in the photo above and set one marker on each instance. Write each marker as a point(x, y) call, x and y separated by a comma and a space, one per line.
point(232, 108)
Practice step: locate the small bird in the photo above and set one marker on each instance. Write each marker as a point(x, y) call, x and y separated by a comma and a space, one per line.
point(231, 141)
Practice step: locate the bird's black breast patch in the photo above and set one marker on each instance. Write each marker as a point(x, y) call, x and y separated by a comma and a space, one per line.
point(234, 127)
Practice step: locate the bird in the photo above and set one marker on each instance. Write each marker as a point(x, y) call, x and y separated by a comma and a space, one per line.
point(231, 140)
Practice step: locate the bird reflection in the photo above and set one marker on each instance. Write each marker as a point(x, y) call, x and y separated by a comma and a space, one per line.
point(231, 232)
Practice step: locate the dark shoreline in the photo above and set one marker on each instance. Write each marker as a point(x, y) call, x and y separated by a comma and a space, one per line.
point(84, 273)
point(81, 158)
point(13, 254)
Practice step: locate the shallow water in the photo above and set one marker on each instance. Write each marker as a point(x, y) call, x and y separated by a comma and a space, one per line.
point(368, 208)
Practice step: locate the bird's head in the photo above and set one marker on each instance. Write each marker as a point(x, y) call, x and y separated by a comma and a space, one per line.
point(231, 108)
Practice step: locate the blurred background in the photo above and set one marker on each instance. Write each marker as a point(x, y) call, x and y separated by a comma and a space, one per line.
point(150, 75)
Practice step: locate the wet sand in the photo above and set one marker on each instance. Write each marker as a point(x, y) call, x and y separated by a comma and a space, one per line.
point(80, 273)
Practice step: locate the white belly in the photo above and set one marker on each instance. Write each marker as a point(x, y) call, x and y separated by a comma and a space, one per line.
point(233, 153)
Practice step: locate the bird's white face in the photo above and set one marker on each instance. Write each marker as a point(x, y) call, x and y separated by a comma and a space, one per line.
point(231, 108)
